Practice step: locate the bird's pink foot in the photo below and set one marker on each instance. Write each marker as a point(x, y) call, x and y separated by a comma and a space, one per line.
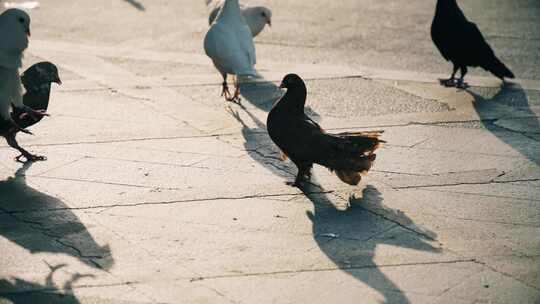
point(34, 114)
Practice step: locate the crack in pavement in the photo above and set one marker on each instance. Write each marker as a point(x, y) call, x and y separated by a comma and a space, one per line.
point(459, 282)
point(486, 195)
point(219, 198)
point(391, 220)
point(467, 183)
point(38, 226)
point(412, 123)
point(522, 133)
point(127, 140)
point(349, 267)
point(485, 264)
point(62, 290)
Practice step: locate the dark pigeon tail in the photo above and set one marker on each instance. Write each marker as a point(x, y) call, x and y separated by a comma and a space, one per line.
point(499, 69)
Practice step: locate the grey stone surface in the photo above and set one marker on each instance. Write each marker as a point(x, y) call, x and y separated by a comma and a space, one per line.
point(157, 191)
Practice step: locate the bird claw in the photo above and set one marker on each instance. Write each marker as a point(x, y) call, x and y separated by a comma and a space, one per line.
point(450, 82)
point(227, 94)
point(30, 158)
point(461, 84)
point(25, 131)
point(297, 184)
point(300, 179)
point(225, 91)
point(235, 99)
point(17, 128)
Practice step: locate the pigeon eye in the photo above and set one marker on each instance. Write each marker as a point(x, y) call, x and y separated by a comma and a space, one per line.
point(21, 20)
point(263, 14)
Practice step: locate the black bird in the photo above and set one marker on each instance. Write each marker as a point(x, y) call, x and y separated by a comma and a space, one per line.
point(349, 155)
point(37, 81)
point(461, 42)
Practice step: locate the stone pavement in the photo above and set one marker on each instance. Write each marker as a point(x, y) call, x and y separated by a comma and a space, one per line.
point(157, 191)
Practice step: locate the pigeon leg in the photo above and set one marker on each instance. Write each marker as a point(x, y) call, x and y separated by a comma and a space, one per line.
point(236, 97)
point(304, 174)
point(460, 83)
point(450, 82)
point(225, 91)
point(18, 128)
point(12, 142)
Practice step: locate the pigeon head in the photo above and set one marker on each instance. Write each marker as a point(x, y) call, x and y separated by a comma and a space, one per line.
point(43, 72)
point(265, 14)
point(291, 81)
point(17, 20)
point(446, 4)
point(295, 97)
point(48, 72)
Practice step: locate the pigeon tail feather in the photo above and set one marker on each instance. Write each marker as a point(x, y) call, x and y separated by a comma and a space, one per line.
point(499, 69)
point(363, 145)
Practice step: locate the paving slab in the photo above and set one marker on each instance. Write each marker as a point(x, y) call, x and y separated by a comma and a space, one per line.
point(156, 190)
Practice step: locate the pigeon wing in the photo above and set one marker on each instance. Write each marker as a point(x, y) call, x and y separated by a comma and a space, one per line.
point(229, 50)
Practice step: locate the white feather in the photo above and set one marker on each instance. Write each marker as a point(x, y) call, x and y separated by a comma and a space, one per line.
point(256, 17)
point(10, 91)
point(14, 25)
point(13, 38)
point(229, 42)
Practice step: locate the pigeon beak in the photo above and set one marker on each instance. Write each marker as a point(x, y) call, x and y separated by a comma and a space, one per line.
point(282, 86)
point(58, 81)
point(27, 30)
point(269, 22)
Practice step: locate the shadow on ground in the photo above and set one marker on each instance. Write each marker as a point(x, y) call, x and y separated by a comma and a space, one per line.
point(260, 147)
point(523, 133)
point(19, 291)
point(42, 223)
point(350, 237)
point(136, 4)
point(346, 237)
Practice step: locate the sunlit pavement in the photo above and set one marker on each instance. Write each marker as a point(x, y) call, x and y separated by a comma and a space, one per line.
point(156, 190)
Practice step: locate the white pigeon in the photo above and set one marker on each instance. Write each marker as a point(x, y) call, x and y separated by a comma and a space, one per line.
point(256, 16)
point(229, 44)
point(14, 33)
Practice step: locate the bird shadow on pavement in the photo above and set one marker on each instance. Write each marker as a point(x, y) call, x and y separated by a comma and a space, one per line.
point(263, 95)
point(136, 4)
point(508, 115)
point(350, 237)
point(19, 291)
point(39, 223)
point(260, 93)
point(260, 147)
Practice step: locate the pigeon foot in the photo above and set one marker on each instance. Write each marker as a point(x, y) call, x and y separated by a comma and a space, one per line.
point(225, 91)
point(34, 114)
point(462, 84)
point(30, 158)
point(234, 99)
point(19, 129)
point(450, 82)
point(297, 184)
